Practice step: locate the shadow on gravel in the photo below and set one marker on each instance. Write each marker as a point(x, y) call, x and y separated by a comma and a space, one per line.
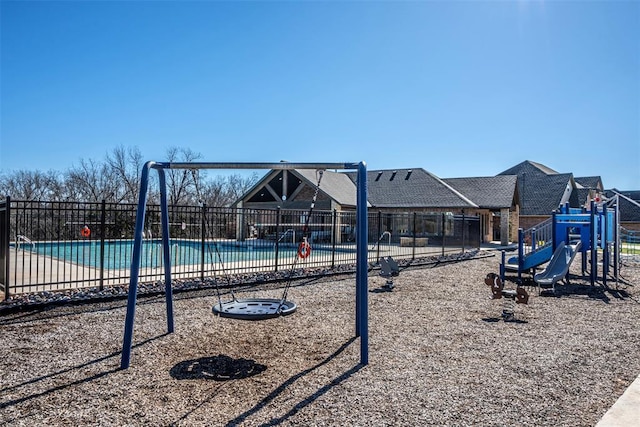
point(216, 368)
point(500, 319)
point(596, 292)
point(304, 402)
point(66, 377)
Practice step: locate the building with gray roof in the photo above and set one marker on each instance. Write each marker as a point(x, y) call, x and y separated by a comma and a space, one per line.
point(497, 201)
point(389, 191)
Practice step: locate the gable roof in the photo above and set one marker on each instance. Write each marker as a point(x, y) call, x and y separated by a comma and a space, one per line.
point(541, 189)
point(590, 182)
point(490, 192)
point(582, 196)
point(411, 188)
point(335, 185)
point(543, 195)
point(529, 167)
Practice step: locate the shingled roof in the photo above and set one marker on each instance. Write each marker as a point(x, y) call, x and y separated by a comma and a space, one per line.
point(412, 188)
point(590, 182)
point(336, 185)
point(629, 208)
point(529, 167)
point(581, 196)
point(490, 192)
point(633, 195)
point(542, 190)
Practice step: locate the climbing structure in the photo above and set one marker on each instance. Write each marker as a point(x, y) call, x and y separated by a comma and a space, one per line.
point(595, 229)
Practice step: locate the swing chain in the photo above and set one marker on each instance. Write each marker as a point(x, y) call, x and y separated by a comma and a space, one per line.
point(319, 174)
point(305, 229)
point(305, 234)
point(196, 182)
point(202, 203)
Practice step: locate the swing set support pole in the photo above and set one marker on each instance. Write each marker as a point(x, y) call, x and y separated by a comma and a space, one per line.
point(166, 251)
point(135, 268)
point(362, 311)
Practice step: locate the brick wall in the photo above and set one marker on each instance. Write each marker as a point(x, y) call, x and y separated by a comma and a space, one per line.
point(528, 221)
point(635, 226)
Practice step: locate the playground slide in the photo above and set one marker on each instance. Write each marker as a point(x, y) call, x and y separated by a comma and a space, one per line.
point(558, 266)
point(531, 260)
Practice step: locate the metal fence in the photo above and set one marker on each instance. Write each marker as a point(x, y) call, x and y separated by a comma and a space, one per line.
point(629, 242)
point(69, 245)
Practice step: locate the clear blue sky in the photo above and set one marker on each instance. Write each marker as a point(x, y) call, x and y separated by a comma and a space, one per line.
point(457, 88)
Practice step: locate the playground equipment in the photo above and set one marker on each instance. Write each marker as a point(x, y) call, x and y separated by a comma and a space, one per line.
point(511, 296)
point(361, 309)
point(388, 269)
point(579, 231)
point(262, 308)
point(558, 267)
point(535, 247)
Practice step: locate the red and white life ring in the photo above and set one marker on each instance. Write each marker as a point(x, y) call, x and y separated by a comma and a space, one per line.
point(304, 250)
point(86, 231)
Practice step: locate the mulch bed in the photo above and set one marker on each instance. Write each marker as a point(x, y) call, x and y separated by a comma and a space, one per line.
point(440, 354)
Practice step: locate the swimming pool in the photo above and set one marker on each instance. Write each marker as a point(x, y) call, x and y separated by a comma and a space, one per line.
point(117, 253)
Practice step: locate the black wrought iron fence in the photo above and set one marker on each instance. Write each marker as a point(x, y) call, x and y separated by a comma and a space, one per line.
point(66, 245)
point(629, 242)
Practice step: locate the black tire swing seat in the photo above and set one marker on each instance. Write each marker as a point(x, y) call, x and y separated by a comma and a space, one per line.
point(254, 308)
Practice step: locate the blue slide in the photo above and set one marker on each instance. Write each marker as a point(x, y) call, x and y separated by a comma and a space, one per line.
point(558, 266)
point(531, 260)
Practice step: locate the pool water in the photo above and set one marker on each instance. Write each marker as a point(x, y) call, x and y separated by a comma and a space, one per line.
point(117, 254)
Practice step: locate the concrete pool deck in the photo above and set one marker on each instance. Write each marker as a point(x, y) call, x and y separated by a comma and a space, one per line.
point(33, 272)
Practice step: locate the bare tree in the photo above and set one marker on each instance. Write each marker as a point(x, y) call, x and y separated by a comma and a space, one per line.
point(213, 191)
point(221, 190)
point(31, 185)
point(117, 179)
point(126, 164)
point(237, 185)
point(92, 181)
point(182, 183)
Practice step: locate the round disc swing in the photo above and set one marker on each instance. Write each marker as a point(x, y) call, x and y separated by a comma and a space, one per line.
point(254, 308)
point(262, 308)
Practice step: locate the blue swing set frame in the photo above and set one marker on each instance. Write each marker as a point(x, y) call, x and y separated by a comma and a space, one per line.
point(362, 315)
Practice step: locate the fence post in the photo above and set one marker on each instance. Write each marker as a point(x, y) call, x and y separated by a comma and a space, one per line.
point(278, 238)
point(103, 227)
point(379, 235)
point(464, 229)
point(442, 232)
point(333, 238)
point(5, 238)
point(413, 231)
point(203, 224)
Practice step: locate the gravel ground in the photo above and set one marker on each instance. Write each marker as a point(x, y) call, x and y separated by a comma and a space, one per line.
point(440, 354)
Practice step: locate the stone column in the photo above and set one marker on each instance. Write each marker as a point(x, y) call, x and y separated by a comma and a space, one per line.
point(240, 226)
point(504, 226)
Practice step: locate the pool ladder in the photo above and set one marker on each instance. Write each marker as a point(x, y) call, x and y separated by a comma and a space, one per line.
point(25, 239)
point(293, 235)
point(386, 233)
